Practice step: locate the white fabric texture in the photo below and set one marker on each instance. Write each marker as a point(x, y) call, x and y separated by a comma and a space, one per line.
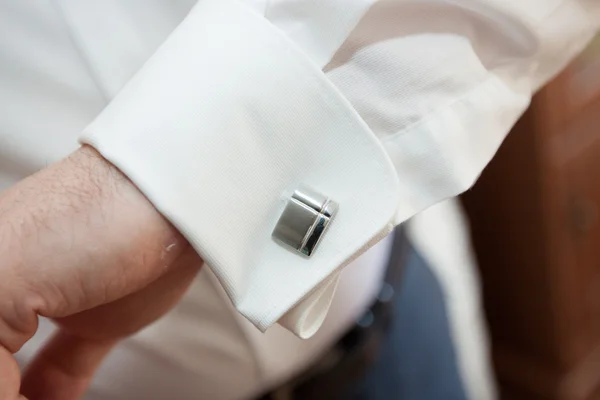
point(250, 118)
point(235, 167)
point(60, 64)
point(56, 76)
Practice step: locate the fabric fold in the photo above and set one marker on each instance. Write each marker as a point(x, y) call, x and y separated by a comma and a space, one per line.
point(218, 129)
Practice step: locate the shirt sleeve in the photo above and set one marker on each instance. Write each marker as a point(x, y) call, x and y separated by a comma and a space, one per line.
point(234, 112)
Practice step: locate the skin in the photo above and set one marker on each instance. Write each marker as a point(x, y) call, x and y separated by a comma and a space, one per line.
point(81, 245)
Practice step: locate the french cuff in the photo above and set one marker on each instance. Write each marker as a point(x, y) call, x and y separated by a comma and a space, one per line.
point(219, 128)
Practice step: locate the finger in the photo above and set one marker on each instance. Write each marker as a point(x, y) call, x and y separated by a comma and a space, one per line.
point(126, 316)
point(9, 376)
point(64, 367)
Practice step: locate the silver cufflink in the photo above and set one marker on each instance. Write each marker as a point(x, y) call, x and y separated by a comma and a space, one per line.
point(304, 220)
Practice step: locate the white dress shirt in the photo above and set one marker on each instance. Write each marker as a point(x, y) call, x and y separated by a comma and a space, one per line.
point(233, 112)
point(217, 112)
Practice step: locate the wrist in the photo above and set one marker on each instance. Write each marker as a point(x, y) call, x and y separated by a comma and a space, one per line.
point(78, 234)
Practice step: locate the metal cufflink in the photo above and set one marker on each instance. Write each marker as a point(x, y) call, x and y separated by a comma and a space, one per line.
point(304, 220)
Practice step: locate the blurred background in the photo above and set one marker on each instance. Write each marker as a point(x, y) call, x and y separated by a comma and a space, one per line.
point(535, 220)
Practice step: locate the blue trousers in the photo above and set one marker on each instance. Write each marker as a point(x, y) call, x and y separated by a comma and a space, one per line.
point(417, 360)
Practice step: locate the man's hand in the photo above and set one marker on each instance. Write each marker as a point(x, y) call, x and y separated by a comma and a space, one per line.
point(80, 244)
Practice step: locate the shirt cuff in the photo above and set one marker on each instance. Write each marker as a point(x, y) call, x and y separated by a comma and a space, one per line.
point(219, 128)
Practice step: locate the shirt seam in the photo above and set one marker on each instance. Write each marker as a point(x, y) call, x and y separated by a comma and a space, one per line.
point(436, 114)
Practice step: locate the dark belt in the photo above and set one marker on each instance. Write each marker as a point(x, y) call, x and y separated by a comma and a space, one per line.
point(349, 359)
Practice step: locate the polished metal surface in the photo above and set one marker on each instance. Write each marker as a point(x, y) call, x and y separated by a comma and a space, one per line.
point(304, 220)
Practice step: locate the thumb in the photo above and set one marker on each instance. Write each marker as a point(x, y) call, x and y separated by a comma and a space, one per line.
point(66, 365)
point(64, 368)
